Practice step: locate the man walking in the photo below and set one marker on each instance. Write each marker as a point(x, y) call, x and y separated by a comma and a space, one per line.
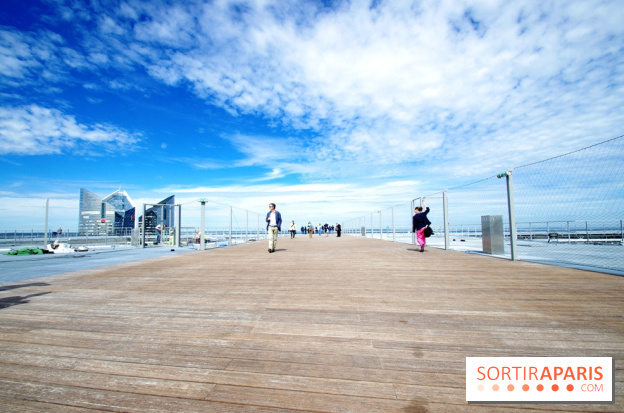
point(274, 225)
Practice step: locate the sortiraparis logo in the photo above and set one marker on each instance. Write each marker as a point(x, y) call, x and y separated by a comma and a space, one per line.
point(539, 379)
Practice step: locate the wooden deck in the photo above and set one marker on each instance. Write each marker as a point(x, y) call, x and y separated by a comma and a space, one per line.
point(327, 324)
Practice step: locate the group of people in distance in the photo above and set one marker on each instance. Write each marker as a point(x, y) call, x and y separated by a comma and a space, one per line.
point(274, 226)
point(420, 223)
point(320, 229)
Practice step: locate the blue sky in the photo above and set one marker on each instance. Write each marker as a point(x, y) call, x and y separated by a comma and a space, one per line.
point(330, 109)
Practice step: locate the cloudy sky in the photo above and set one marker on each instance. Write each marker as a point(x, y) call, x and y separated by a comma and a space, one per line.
point(328, 108)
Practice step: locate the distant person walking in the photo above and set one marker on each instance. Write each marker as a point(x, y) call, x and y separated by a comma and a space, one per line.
point(419, 223)
point(158, 232)
point(274, 225)
point(292, 229)
point(310, 229)
point(338, 230)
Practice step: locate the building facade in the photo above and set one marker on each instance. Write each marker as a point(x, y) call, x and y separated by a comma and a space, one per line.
point(111, 215)
point(161, 214)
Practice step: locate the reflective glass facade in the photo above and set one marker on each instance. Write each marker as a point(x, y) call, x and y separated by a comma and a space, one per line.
point(113, 215)
point(160, 214)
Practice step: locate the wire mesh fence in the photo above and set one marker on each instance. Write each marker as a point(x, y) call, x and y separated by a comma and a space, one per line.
point(224, 225)
point(567, 211)
point(165, 225)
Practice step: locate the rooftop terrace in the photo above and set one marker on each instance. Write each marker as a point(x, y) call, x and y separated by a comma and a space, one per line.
point(323, 324)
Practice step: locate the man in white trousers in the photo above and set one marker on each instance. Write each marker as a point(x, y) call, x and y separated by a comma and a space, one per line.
point(274, 225)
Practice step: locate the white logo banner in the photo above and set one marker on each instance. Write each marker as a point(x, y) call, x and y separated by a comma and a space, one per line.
point(539, 380)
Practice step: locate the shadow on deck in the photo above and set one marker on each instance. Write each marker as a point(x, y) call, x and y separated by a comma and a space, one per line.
point(323, 324)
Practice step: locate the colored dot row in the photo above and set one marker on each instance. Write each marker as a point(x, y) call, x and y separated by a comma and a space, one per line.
point(526, 387)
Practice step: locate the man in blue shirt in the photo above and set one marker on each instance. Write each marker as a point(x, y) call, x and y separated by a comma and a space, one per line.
point(274, 225)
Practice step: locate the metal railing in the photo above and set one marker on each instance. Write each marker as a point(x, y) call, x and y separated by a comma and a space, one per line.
point(565, 210)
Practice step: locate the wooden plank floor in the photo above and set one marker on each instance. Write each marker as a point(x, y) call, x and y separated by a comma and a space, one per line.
point(324, 324)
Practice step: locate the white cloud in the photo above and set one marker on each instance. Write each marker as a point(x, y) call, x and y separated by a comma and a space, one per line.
point(34, 130)
point(265, 150)
point(317, 202)
point(16, 56)
point(388, 84)
point(398, 87)
point(274, 174)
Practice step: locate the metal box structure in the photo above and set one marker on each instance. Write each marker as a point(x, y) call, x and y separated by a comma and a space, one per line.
point(492, 234)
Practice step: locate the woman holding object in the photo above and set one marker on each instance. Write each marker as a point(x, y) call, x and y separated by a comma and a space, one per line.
point(419, 223)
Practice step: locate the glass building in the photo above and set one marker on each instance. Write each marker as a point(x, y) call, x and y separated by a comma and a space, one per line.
point(113, 215)
point(160, 214)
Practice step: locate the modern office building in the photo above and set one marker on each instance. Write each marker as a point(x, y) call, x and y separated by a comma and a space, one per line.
point(112, 215)
point(160, 214)
point(116, 213)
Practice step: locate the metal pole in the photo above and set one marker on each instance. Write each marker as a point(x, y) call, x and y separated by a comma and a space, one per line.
point(412, 215)
point(230, 241)
point(447, 239)
point(203, 225)
point(393, 229)
point(142, 228)
point(178, 233)
point(162, 225)
point(45, 234)
point(587, 231)
point(380, 227)
point(548, 230)
point(247, 226)
point(512, 216)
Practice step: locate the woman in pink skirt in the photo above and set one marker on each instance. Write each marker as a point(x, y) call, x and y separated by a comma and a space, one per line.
point(419, 223)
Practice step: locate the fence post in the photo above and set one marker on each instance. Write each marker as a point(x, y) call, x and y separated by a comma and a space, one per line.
point(45, 234)
point(142, 228)
point(512, 214)
point(411, 221)
point(203, 225)
point(568, 229)
point(548, 229)
point(447, 239)
point(162, 223)
point(178, 233)
point(393, 229)
point(230, 241)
